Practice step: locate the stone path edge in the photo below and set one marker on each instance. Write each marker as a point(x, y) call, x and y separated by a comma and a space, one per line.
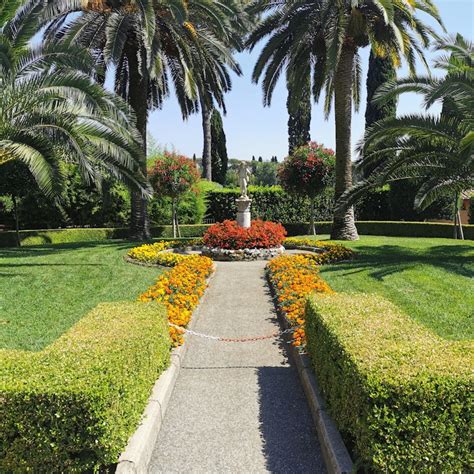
point(335, 453)
point(137, 455)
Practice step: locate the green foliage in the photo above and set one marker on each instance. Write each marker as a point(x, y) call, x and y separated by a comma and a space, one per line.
point(269, 203)
point(80, 120)
point(401, 396)
point(264, 173)
point(381, 71)
point(73, 406)
point(395, 202)
point(8, 9)
point(434, 151)
point(471, 210)
point(219, 202)
point(219, 160)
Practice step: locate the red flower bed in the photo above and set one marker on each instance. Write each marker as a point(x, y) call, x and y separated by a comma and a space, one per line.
point(229, 235)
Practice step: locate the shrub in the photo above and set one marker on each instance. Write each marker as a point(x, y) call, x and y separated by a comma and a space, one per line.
point(269, 204)
point(229, 235)
point(73, 406)
point(401, 396)
point(63, 236)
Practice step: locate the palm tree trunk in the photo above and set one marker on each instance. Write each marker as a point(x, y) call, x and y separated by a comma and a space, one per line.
point(343, 227)
point(138, 100)
point(206, 112)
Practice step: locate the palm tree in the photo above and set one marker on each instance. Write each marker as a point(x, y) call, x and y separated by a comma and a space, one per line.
point(51, 111)
point(150, 43)
point(329, 35)
point(435, 151)
point(213, 43)
point(8, 9)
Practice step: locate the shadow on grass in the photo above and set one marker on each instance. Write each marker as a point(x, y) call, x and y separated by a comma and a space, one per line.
point(50, 249)
point(27, 265)
point(385, 260)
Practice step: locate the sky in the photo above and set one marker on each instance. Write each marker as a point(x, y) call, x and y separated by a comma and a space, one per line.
point(254, 130)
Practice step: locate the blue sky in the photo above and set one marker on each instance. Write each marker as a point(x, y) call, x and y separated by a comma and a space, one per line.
point(252, 129)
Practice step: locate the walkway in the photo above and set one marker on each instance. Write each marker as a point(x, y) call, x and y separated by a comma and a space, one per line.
point(237, 407)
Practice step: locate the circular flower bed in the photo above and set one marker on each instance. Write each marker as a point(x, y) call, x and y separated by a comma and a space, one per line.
point(230, 236)
point(229, 242)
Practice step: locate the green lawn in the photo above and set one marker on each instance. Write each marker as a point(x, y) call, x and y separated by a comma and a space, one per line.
point(45, 290)
point(430, 279)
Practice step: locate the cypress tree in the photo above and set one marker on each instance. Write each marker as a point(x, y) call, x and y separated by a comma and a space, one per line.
point(299, 116)
point(381, 70)
point(220, 159)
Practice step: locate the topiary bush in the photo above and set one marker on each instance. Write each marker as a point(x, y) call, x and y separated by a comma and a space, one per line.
point(73, 406)
point(401, 396)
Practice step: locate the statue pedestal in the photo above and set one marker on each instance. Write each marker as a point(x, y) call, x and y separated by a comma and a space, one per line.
point(244, 218)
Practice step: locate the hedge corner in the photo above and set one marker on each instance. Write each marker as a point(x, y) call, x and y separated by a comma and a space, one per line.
point(73, 406)
point(401, 396)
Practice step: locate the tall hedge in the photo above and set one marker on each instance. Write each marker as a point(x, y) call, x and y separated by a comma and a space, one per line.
point(73, 406)
point(402, 397)
point(268, 203)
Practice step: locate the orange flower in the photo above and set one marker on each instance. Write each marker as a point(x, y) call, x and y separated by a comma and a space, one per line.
point(294, 278)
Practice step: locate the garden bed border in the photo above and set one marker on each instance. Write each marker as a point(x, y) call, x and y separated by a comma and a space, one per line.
point(137, 455)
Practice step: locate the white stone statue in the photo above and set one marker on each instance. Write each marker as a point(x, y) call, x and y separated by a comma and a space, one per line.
point(244, 178)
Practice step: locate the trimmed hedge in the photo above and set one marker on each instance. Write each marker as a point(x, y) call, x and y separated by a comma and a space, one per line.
point(268, 204)
point(63, 236)
point(394, 229)
point(401, 396)
point(389, 229)
point(73, 406)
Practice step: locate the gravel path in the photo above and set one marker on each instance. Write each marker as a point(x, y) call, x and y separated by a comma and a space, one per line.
point(237, 407)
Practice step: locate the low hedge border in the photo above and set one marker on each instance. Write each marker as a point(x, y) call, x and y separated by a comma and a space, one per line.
point(73, 406)
point(394, 229)
point(389, 229)
point(400, 395)
point(31, 238)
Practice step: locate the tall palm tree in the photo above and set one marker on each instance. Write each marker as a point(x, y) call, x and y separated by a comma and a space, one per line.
point(437, 152)
point(150, 43)
point(213, 60)
point(330, 34)
point(213, 45)
point(51, 110)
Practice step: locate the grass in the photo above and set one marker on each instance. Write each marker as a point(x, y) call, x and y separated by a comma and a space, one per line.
point(45, 290)
point(430, 279)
